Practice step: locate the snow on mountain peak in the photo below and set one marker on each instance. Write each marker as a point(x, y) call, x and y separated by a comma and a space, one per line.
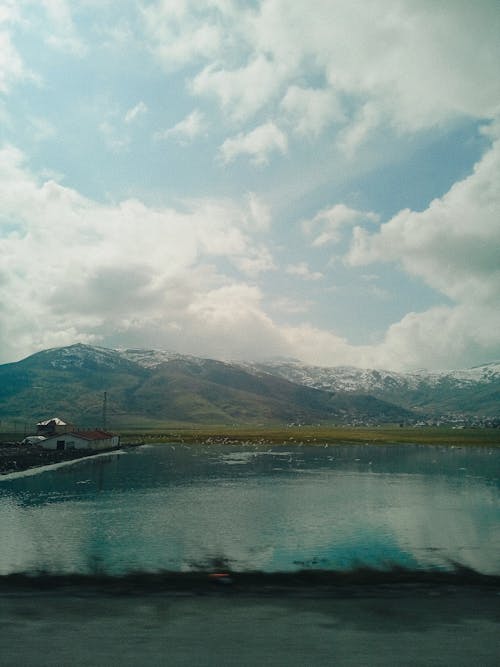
point(337, 378)
point(147, 358)
point(79, 355)
point(368, 380)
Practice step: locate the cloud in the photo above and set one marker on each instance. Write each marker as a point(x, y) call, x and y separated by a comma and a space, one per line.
point(259, 261)
point(41, 129)
point(321, 347)
point(454, 246)
point(303, 271)
point(116, 140)
point(135, 112)
point(369, 286)
point(244, 91)
point(258, 144)
point(328, 224)
point(310, 110)
point(260, 212)
point(400, 63)
point(185, 130)
point(277, 77)
point(233, 319)
point(442, 337)
point(9, 11)
point(290, 306)
point(116, 125)
point(64, 35)
point(76, 270)
point(363, 124)
point(181, 33)
point(12, 68)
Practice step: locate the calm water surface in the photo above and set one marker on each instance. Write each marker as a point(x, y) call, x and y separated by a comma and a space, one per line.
point(178, 507)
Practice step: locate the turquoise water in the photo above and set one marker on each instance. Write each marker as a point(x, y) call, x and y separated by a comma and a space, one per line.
point(177, 507)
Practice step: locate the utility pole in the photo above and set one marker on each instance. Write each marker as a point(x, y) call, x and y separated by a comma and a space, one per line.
point(104, 410)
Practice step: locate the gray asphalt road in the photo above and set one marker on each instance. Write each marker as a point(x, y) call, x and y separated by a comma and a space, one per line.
point(458, 628)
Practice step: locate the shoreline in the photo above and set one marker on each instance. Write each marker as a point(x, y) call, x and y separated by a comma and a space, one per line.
point(16, 459)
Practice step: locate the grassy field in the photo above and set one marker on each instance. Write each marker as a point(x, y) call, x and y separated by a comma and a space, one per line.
point(277, 435)
point(315, 435)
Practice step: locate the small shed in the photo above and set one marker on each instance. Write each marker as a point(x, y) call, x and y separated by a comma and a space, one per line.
point(94, 440)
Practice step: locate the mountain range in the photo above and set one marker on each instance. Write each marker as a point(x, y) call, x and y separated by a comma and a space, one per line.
point(144, 387)
point(472, 391)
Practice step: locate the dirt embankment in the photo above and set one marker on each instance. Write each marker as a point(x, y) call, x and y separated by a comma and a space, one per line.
point(14, 458)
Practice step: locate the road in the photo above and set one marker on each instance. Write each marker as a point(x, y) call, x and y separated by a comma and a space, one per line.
point(404, 628)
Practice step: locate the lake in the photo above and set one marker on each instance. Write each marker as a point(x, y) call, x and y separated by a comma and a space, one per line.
point(183, 507)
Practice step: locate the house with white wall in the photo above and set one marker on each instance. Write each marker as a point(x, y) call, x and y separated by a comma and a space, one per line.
point(92, 440)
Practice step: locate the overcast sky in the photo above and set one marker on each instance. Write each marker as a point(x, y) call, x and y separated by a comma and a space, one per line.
point(314, 179)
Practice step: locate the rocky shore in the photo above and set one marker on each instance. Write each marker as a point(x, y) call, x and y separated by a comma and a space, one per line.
point(15, 458)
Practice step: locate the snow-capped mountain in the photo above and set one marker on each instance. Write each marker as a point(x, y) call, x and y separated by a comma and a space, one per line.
point(145, 386)
point(80, 355)
point(352, 379)
point(331, 378)
point(146, 378)
point(473, 391)
point(150, 358)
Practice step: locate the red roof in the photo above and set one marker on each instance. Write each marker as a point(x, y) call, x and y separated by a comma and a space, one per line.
point(93, 435)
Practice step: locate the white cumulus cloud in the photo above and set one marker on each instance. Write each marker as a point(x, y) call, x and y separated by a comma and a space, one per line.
point(63, 33)
point(135, 112)
point(241, 92)
point(258, 144)
point(181, 33)
point(12, 67)
point(409, 64)
point(327, 225)
point(75, 269)
point(187, 129)
point(454, 246)
point(302, 270)
point(310, 110)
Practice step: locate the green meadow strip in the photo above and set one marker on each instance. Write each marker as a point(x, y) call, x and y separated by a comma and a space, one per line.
point(309, 435)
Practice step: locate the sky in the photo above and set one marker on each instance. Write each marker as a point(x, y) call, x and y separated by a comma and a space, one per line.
point(250, 179)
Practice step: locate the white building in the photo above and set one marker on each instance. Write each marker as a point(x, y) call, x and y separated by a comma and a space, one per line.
point(82, 440)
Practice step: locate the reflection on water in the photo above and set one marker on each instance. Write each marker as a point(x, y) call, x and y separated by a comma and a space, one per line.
point(178, 507)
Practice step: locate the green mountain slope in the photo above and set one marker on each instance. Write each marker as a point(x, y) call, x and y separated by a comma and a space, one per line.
point(70, 382)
